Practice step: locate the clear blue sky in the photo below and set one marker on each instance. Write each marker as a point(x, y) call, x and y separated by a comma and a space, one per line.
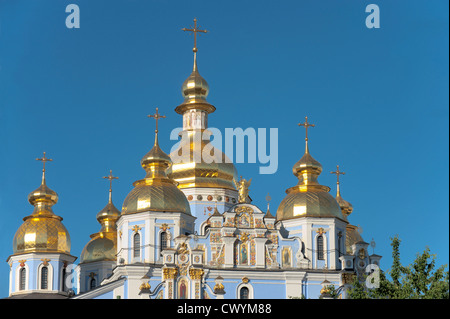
point(379, 99)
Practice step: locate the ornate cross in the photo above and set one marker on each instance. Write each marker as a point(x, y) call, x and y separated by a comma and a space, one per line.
point(338, 172)
point(157, 116)
point(136, 228)
point(44, 159)
point(306, 125)
point(111, 178)
point(195, 30)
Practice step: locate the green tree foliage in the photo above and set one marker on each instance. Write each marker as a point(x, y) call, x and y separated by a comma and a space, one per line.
point(419, 280)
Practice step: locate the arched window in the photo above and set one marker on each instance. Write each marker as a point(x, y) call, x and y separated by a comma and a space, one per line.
point(244, 293)
point(137, 245)
point(63, 279)
point(93, 283)
point(320, 247)
point(340, 244)
point(44, 277)
point(164, 240)
point(22, 278)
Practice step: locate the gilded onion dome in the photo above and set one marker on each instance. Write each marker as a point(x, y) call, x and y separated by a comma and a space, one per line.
point(345, 206)
point(196, 163)
point(156, 192)
point(352, 234)
point(103, 245)
point(42, 231)
point(308, 198)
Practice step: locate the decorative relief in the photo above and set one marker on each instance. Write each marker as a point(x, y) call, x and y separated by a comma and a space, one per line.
point(164, 227)
point(196, 274)
point(136, 228)
point(45, 261)
point(170, 273)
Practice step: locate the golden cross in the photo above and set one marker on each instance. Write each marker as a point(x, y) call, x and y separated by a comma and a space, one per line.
point(195, 30)
point(338, 172)
point(306, 125)
point(157, 116)
point(111, 178)
point(44, 159)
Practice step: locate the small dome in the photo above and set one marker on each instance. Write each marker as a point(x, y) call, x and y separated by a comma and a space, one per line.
point(43, 194)
point(156, 154)
point(195, 88)
point(345, 206)
point(102, 247)
point(109, 212)
point(307, 162)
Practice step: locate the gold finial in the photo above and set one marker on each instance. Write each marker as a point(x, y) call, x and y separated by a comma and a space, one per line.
point(44, 159)
point(111, 178)
point(195, 30)
point(338, 172)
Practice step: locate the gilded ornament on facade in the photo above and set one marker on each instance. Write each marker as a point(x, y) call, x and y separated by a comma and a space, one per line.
point(196, 274)
point(144, 286)
point(245, 280)
point(242, 186)
point(164, 227)
point(362, 253)
point(136, 228)
point(170, 273)
point(45, 261)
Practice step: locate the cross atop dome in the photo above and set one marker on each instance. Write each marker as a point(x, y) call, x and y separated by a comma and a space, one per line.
point(195, 30)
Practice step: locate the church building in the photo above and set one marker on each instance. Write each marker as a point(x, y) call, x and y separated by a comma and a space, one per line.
point(187, 230)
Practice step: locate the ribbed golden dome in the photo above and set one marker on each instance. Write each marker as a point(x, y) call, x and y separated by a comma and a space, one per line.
point(42, 231)
point(156, 192)
point(194, 170)
point(308, 198)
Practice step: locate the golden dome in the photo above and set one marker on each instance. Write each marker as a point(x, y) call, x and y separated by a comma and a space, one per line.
point(308, 198)
point(190, 168)
point(103, 245)
point(345, 206)
point(42, 231)
point(193, 171)
point(156, 192)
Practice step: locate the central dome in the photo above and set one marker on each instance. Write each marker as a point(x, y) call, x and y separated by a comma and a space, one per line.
point(202, 166)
